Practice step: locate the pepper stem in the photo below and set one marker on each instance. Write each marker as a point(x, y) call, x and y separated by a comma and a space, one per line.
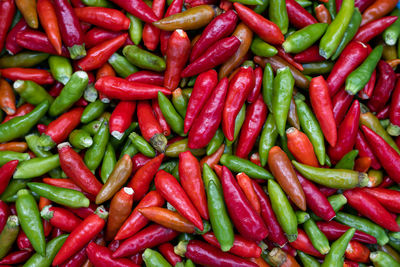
point(363, 179)
point(46, 143)
point(77, 51)
point(101, 212)
point(46, 213)
point(277, 257)
point(181, 248)
point(159, 142)
point(393, 130)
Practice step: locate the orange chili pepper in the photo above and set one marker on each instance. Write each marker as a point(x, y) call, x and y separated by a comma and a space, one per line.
point(43, 202)
point(168, 218)
point(393, 62)
point(246, 185)
point(300, 146)
point(218, 170)
point(105, 70)
point(21, 111)
point(14, 146)
point(7, 98)
point(28, 11)
point(259, 261)
point(377, 10)
point(322, 14)
point(356, 251)
point(362, 164)
point(245, 35)
point(48, 20)
point(213, 159)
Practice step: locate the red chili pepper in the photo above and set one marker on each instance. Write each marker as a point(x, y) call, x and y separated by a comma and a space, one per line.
point(4, 213)
point(288, 58)
point(11, 44)
point(377, 10)
point(149, 237)
point(81, 235)
point(333, 230)
point(121, 118)
point(84, 212)
point(98, 55)
point(374, 28)
point(340, 104)
point(203, 86)
point(358, 252)
point(267, 30)
point(160, 117)
point(101, 256)
point(6, 172)
point(190, 178)
point(98, 35)
point(172, 192)
point(193, 3)
point(23, 242)
point(107, 18)
point(301, 147)
point(385, 112)
point(394, 111)
point(368, 89)
point(142, 179)
point(298, 16)
point(245, 219)
point(215, 55)
point(352, 56)
point(327, 191)
point(61, 218)
point(239, 88)
point(21, 111)
point(136, 221)
point(255, 92)
point(71, 31)
point(309, 55)
point(363, 4)
point(213, 159)
point(322, 14)
point(41, 128)
point(77, 260)
point(48, 20)
point(64, 183)
point(167, 250)
point(347, 133)
point(246, 185)
point(175, 7)
point(37, 75)
point(390, 199)
point(145, 76)
point(362, 164)
point(210, 116)
point(303, 243)
point(16, 257)
point(151, 34)
point(37, 41)
point(225, 5)
point(77, 3)
point(365, 150)
point(74, 167)
point(7, 9)
point(387, 156)
point(256, 115)
point(177, 54)
point(204, 254)
point(122, 89)
point(138, 8)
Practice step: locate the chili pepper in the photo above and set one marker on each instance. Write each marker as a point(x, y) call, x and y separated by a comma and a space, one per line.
point(101, 256)
point(16, 257)
point(142, 145)
point(7, 8)
point(388, 198)
point(95, 153)
point(36, 167)
point(12, 189)
point(317, 238)
point(323, 16)
point(121, 118)
point(383, 88)
point(309, 55)
point(138, 9)
point(60, 68)
point(347, 161)
point(391, 34)
point(301, 147)
point(143, 58)
point(262, 49)
point(308, 260)
point(120, 207)
point(214, 158)
point(7, 101)
point(170, 114)
point(362, 164)
point(93, 111)
point(8, 235)
point(4, 213)
point(30, 221)
point(71, 32)
point(174, 7)
point(51, 250)
point(60, 218)
point(167, 250)
point(6, 172)
point(180, 101)
point(10, 42)
point(298, 15)
point(367, 91)
point(380, 258)
point(22, 60)
point(215, 142)
point(374, 28)
point(245, 184)
point(334, 230)
point(216, 54)
point(338, 248)
point(14, 146)
point(205, 254)
point(32, 92)
point(357, 252)
point(237, 164)
point(48, 20)
point(136, 221)
point(98, 35)
point(6, 156)
point(377, 10)
point(151, 236)
point(153, 258)
point(36, 75)
point(37, 41)
point(28, 11)
point(151, 34)
point(304, 38)
point(23, 242)
point(145, 76)
point(106, 18)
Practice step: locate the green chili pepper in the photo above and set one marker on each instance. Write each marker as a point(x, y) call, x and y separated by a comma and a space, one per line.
point(187, 91)
point(278, 14)
point(6, 156)
point(108, 164)
point(174, 149)
point(350, 32)
point(20, 126)
point(121, 65)
point(237, 164)
point(331, 6)
point(317, 67)
point(283, 90)
point(52, 249)
point(304, 3)
point(60, 68)
point(175, 172)
point(392, 33)
point(153, 258)
point(93, 111)
point(335, 32)
point(8, 235)
point(385, 123)
point(268, 86)
point(307, 260)
point(268, 138)
point(36, 167)
point(95, 153)
point(180, 102)
point(302, 216)
point(129, 149)
point(189, 263)
point(25, 59)
point(311, 128)
point(335, 256)
point(172, 117)
point(347, 162)
point(220, 221)
point(80, 139)
point(383, 259)
point(118, 142)
point(262, 49)
point(32, 92)
point(248, 64)
point(29, 218)
point(363, 224)
point(283, 210)
point(71, 93)
point(98, 3)
point(216, 142)
point(169, 165)
point(304, 38)
point(334, 178)
point(143, 59)
point(337, 201)
point(238, 125)
point(318, 239)
point(135, 29)
point(357, 80)
point(262, 7)
point(142, 145)
point(9, 195)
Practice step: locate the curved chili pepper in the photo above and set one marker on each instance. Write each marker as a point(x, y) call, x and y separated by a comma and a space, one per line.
point(173, 8)
point(383, 88)
point(394, 111)
point(365, 150)
point(48, 20)
point(16, 257)
point(121, 118)
point(137, 8)
point(21, 111)
point(167, 250)
point(60, 218)
point(334, 230)
point(374, 28)
point(101, 256)
point(106, 18)
point(36, 75)
point(151, 34)
point(309, 55)
point(10, 42)
point(145, 76)
point(322, 14)
point(6, 172)
point(37, 41)
point(97, 36)
point(301, 147)
point(7, 8)
point(246, 185)
point(298, 16)
point(255, 92)
point(377, 10)
point(303, 243)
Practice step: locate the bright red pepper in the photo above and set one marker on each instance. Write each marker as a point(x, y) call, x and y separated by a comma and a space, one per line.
point(298, 16)
point(100, 256)
point(4, 213)
point(246, 185)
point(23, 242)
point(213, 159)
point(301, 147)
point(84, 212)
point(365, 150)
point(138, 8)
point(11, 44)
point(303, 243)
point(48, 20)
point(98, 35)
point(121, 118)
point(6, 173)
point(347, 133)
point(145, 76)
point(374, 28)
point(37, 41)
point(61, 218)
point(21, 111)
point(16, 257)
point(358, 252)
point(390, 199)
point(122, 89)
point(160, 117)
point(368, 89)
point(36, 75)
point(175, 7)
point(151, 34)
point(74, 167)
point(7, 9)
point(209, 118)
point(167, 250)
point(309, 55)
point(107, 18)
point(256, 115)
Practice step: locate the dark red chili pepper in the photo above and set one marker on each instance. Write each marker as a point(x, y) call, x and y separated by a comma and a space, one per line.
point(333, 230)
point(298, 16)
point(390, 199)
point(363, 4)
point(7, 9)
point(37, 75)
point(145, 76)
point(385, 112)
point(23, 242)
point(55, 90)
point(193, 3)
point(160, 117)
point(239, 88)
point(209, 118)
point(11, 44)
point(6, 172)
point(122, 89)
point(347, 133)
point(365, 150)
point(64, 183)
point(167, 250)
point(121, 118)
point(77, 260)
point(303, 243)
point(107, 18)
point(61, 218)
point(374, 28)
point(98, 35)
point(4, 213)
point(368, 89)
point(309, 55)
point(352, 56)
point(37, 41)
point(394, 111)
point(255, 92)
point(74, 167)
point(149, 237)
point(256, 115)
point(98, 55)
point(288, 58)
point(215, 55)
point(101, 256)
point(138, 8)
point(248, 222)
point(151, 34)
point(340, 104)
point(175, 7)
point(203, 86)
point(16, 257)
point(84, 212)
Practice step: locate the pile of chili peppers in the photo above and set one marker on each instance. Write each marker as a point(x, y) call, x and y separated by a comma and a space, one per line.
point(199, 132)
